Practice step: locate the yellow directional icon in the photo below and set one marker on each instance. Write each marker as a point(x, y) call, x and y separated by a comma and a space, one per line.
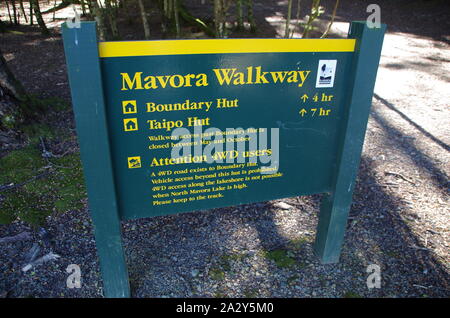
point(303, 112)
point(134, 162)
point(130, 124)
point(129, 107)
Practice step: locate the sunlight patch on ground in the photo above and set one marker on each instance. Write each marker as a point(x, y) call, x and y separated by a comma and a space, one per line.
point(50, 20)
point(418, 64)
point(61, 16)
point(278, 22)
point(9, 57)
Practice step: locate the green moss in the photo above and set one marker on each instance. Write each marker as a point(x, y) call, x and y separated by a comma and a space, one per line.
point(29, 207)
point(282, 258)
point(35, 186)
point(31, 108)
point(351, 294)
point(36, 105)
point(43, 187)
point(37, 130)
point(55, 103)
point(11, 118)
point(9, 121)
point(20, 165)
point(216, 274)
point(6, 216)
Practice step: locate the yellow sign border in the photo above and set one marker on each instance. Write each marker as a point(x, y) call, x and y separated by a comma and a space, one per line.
point(214, 46)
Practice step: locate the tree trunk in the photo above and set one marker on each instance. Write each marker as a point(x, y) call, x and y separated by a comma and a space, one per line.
point(297, 16)
point(288, 20)
point(12, 97)
point(9, 84)
point(83, 7)
point(98, 14)
point(31, 11)
point(176, 18)
point(2, 27)
point(240, 19)
point(54, 12)
point(144, 20)
point(62, 5)
point(16, 105)
point(250, 17)
point(13, 3)
point(219, 19)
point(40, 20)
point(9, 12)
point(111, 13)
point(23, 10)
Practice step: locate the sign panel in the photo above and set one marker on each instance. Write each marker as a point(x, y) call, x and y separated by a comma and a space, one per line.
point(175, 126)
point(289, 104)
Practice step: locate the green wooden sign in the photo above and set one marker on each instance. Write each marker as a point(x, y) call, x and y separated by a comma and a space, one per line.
point(176, 126)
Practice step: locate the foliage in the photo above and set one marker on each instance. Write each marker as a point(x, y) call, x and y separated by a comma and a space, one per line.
point(316, 10)
point(173, 15)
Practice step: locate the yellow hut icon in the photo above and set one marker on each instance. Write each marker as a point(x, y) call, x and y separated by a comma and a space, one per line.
point(129, 107)
point(130, 124)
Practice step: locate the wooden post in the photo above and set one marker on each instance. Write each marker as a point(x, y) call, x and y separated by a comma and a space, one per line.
point(336, 205)
point(83, 64)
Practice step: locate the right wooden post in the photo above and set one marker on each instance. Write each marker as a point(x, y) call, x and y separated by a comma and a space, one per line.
point(335, 205)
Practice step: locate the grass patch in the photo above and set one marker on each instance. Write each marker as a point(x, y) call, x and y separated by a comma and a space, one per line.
point(37, 130)
point(55, 103)
point(36, 104)
point(30, 207)
point(282, 258)
point(35, 187)
point(20, 165)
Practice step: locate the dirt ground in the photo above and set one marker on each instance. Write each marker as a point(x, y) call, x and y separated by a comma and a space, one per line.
point(399, 218)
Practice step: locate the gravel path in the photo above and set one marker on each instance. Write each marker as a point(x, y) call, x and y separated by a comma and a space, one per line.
point(399, 219)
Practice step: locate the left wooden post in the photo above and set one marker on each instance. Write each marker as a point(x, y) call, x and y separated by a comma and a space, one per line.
point(85, 78)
